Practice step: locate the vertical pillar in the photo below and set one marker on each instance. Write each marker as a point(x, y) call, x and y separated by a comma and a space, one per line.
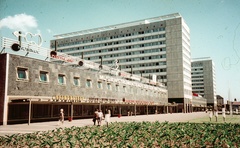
point(82, 110)
point(135, 110)
point(120, 110)
point(5, 97)
point(30, 110)
point(164, 111)
point(71, 110)
point(147, 109)
point(156, 110)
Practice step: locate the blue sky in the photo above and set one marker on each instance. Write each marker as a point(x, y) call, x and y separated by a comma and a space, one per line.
point(214, 25)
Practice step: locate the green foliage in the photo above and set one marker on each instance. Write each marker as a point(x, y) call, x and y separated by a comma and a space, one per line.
point(132, 135)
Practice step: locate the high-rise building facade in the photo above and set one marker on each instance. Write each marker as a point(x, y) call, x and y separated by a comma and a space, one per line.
point(204, 80)
point(157, 47)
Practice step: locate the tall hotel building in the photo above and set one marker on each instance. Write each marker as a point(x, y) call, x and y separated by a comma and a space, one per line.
point(203, 79)
point(157, 47)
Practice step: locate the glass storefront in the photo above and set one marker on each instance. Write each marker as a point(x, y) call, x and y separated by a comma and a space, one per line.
point(18, 112)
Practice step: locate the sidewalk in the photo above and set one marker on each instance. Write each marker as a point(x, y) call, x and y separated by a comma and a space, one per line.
point(45, 126)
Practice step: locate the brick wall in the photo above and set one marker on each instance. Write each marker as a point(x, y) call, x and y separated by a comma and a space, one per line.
point(33, 86)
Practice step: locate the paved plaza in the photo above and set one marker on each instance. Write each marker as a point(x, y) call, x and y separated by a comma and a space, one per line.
point(175, 117)
point(44, 126)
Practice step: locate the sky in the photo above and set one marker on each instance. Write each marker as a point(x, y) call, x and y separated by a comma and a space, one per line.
point(214, 26)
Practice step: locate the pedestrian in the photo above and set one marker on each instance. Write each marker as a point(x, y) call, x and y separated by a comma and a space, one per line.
point(216, 114)
point(95, 116)
point(61, 117)
point(107, 116)
point(100, 117)
point(224, 114)
point(210, 114)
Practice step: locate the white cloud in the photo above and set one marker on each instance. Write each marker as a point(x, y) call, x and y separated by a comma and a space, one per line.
point(21, 22)
point(49, 30)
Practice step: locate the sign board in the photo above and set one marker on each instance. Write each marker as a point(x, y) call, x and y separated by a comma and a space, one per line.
point(27, 44)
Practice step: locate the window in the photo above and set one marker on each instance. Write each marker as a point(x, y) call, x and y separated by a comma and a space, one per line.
point(89, 83)
point(109, 86)
point(131, 90)
point(124, 89)
point(43, 76)
point(61, 79)
point(22, 73)
point(76, 81)
point(117, 87)
point(99, 85)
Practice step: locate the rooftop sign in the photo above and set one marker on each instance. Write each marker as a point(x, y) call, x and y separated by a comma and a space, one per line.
point(25, 44)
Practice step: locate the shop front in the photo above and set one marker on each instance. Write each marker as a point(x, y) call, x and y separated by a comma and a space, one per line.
point(38, 109)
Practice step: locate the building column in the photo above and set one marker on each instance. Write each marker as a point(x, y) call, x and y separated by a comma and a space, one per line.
point(120, 110)
point(29, 111)
point(135, 110)
point(71, 110)
point(6, 98)
point(147, 109)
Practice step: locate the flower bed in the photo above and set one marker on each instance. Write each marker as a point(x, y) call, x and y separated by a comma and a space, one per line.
point(132, 134)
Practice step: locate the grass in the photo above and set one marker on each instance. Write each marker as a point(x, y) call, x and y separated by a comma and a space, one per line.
point(229, 119)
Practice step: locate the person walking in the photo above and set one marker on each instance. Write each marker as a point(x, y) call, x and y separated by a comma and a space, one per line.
point(210, 114)
point(95, 116)
point(216, 114)
point(100, 117)
point(61, 117)
point(224, 114)
point(107, 116)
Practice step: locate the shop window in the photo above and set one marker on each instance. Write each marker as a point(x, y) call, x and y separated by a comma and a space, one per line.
point(76, 81)
point(44, 76)
point(89, 83)
point(61, 79)
point(22, 73)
